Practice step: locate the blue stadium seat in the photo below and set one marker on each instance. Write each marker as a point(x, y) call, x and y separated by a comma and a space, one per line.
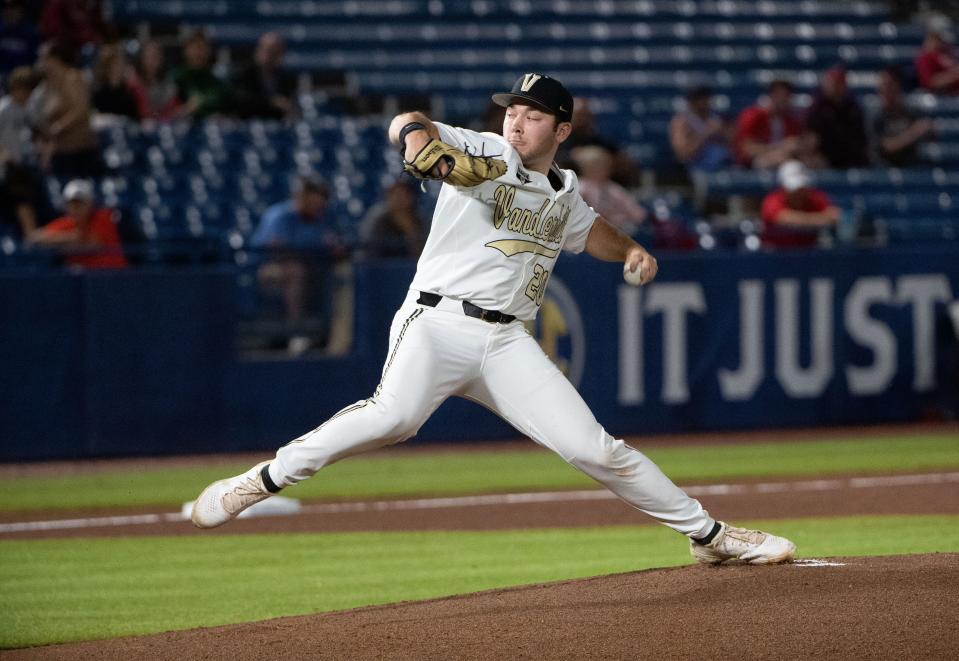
point(943, 154)
point(635, 60)
point(899, 204)
point(913, 229)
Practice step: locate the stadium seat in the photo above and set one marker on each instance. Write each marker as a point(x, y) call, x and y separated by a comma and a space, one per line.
point(634, 60)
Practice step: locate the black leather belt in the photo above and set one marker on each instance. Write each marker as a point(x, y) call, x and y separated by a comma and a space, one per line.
point(470, 310)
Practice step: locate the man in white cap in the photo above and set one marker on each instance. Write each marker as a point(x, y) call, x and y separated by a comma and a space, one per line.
point(86, 235)
point(795, 212)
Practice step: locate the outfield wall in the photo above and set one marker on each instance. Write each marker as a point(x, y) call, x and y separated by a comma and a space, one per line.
point(144, 362)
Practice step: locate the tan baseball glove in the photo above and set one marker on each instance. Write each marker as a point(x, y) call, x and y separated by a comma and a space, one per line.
point(440, 161)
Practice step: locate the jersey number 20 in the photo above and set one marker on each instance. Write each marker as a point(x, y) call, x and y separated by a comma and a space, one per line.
point(536, 288)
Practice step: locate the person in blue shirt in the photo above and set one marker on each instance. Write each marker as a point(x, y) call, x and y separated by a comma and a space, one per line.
point(298, 245)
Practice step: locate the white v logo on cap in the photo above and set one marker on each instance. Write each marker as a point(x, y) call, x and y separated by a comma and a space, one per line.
point(528, 81)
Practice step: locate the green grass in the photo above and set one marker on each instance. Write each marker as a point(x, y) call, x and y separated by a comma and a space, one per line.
point(62, 590)
point(404, 474)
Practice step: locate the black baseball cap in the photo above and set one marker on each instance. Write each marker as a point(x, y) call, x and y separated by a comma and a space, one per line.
point(540, 91)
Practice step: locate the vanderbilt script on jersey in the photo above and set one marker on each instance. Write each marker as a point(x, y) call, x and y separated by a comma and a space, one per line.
point(542, 225)
point(496, 244)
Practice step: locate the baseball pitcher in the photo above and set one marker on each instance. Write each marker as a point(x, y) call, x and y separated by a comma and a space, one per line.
point(504, 214)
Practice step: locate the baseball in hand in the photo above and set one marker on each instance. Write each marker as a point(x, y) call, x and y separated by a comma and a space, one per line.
point(633, 277)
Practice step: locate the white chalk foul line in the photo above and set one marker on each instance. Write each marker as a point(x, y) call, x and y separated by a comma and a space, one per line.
point(92, 522)
point(884, 481)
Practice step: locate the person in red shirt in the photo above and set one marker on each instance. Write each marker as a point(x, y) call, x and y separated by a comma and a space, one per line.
point(937, 65)
point(771, 132)
point(86, 236)
point(794, 213)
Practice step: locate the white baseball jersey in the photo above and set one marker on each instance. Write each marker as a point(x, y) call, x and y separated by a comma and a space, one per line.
point(495, 244)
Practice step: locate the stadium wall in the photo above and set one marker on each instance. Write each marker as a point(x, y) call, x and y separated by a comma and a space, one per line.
point(144, 362)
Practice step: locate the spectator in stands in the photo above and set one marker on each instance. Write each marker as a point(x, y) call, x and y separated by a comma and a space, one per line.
point(794, 213)
point(838, 121)
point(300, 246)
point(608, 198)
point(19, 39)
point(154, 90)
point(74, 23)
point(698, 135)
point(262, 88)
point(86, 236)
point(770, 132)
point(937, 65)
point(896, 129)
point(14, 117)
point(23, 202)
point(198, 89)
point(61, 108)
point(394, 227)
point(112, 93)
point(585, 133)
point(21, 188)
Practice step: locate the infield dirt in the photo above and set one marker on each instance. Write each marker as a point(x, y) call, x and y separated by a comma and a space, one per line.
point(866, 608)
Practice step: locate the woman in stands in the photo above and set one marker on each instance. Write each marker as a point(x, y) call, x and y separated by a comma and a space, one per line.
point(152, 86)
point(112, 94)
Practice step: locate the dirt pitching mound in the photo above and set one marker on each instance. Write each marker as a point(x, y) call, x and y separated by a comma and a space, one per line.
point(887, 607)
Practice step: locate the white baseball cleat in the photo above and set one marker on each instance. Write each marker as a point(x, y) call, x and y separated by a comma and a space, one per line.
point(225, 499)
point(750, 546)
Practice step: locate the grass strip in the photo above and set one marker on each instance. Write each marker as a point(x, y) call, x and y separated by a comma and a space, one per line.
point(77, 589)
point(398, 474)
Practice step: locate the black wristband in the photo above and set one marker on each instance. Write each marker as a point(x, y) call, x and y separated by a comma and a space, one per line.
point(406, 130)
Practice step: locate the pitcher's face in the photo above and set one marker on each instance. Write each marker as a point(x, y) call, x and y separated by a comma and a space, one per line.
point(533, 133)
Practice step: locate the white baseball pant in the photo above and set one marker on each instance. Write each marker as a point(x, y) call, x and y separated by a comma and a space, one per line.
point(439, 352)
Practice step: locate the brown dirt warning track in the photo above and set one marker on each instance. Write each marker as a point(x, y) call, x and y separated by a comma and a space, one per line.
point(903, 494)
